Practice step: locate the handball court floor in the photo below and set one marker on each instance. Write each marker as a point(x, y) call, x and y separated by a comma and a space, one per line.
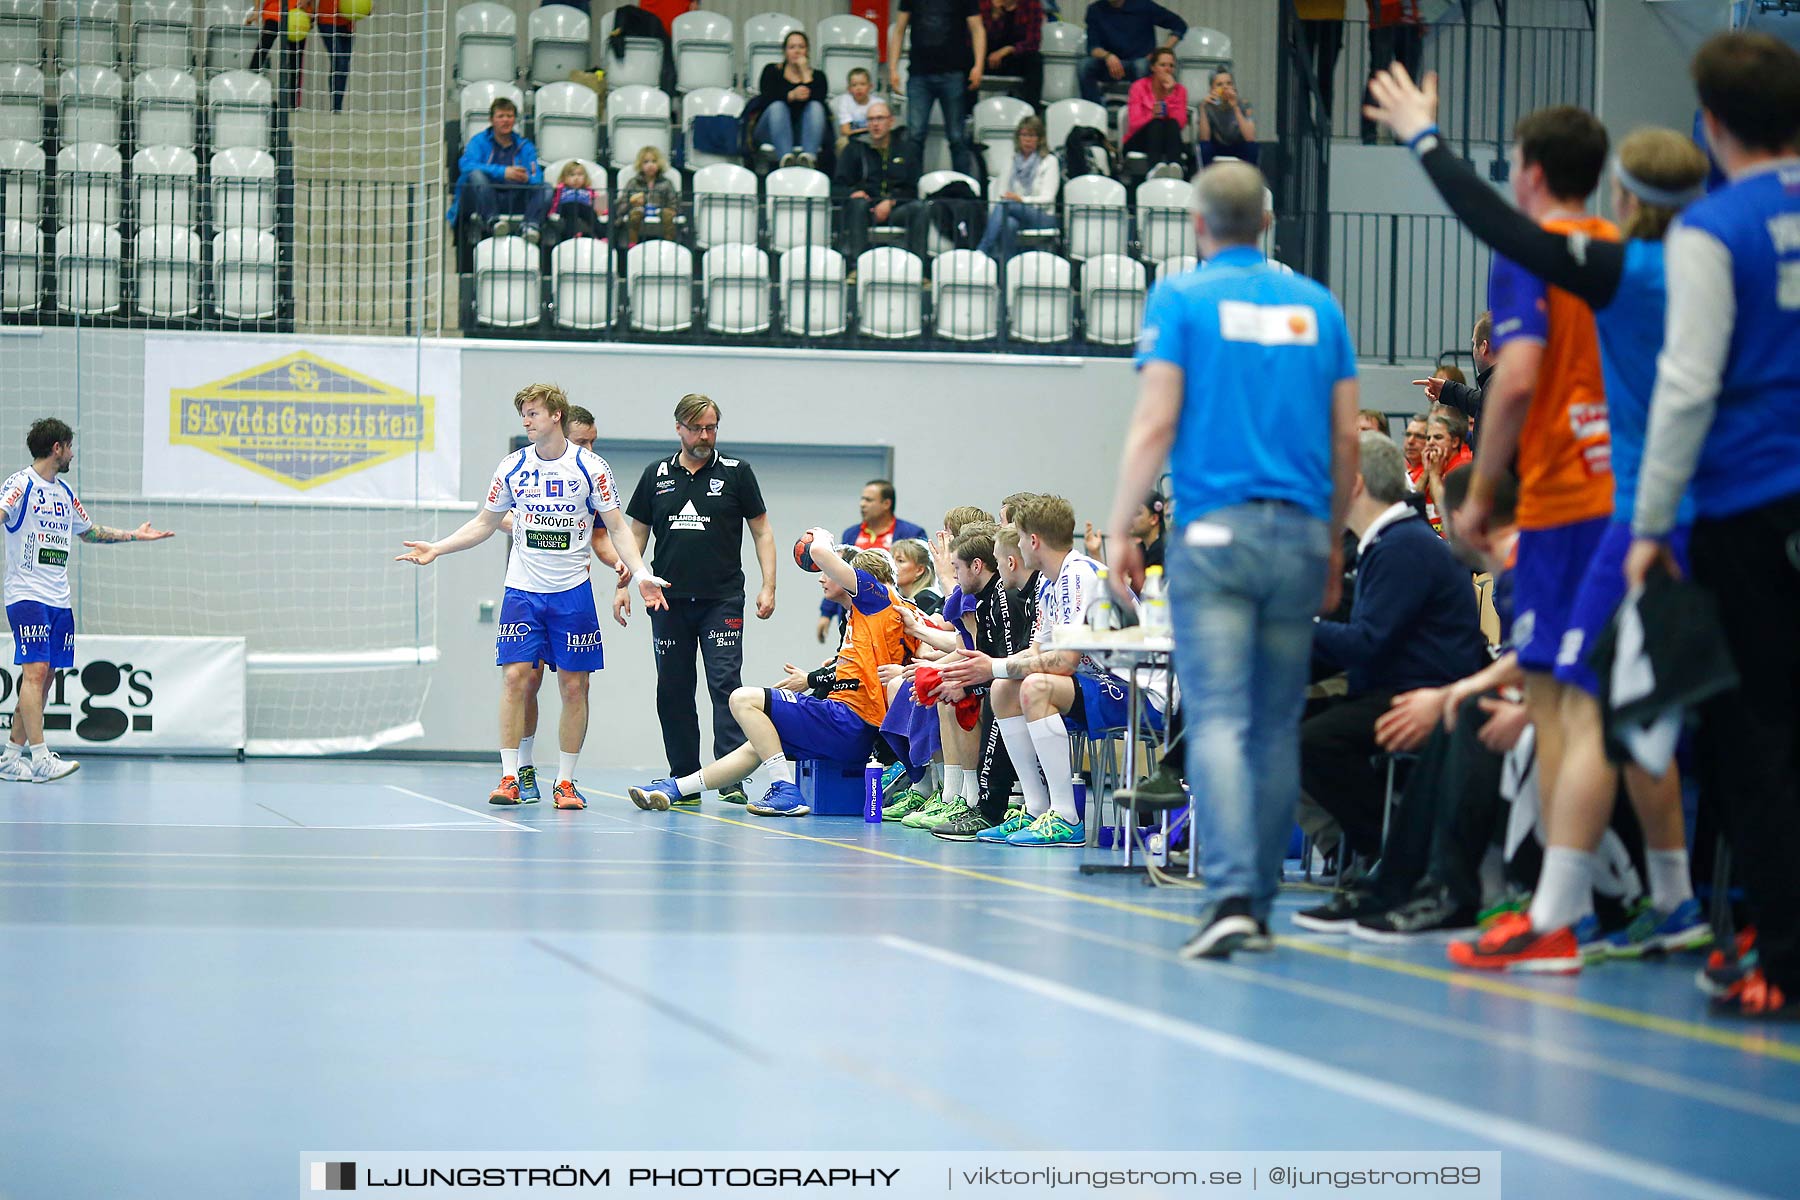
point(234, 963)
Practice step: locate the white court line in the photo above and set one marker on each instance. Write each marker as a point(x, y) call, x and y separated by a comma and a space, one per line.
point(848, 867)
point(394, 787)
point(158, 885)
point(1436, 1110)
point(258, 828)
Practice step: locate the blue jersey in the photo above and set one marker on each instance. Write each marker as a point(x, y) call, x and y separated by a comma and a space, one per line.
point(1260, 352)
point(1631, 336)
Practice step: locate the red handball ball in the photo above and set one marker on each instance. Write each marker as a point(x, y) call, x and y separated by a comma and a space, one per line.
point(803, 553)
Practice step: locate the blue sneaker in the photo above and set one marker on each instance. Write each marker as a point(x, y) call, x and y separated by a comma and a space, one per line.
point(528, 788)
point(781, 800)
point(656, 796)
point(1590, 939)
point(891, 775)
point(1653, 932)
point(1049, 830)
point(1016, 819)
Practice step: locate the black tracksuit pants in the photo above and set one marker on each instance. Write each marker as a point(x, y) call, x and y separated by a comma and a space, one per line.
point(714, 628)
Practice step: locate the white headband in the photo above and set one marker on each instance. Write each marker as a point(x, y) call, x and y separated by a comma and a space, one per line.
point(1649, 194)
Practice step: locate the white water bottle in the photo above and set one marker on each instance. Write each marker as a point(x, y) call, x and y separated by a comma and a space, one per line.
point(1154, 604)
point(1100, 614)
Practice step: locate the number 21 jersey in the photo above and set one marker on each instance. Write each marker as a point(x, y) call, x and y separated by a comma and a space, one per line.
point(555, 504)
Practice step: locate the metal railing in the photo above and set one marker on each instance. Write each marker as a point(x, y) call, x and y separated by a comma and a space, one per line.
point(1410, 284)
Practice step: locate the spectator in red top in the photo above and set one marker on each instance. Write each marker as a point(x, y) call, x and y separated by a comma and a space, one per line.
point(1446, 448)
point(1413, 447)
point(1015, 31)
point(1155, 116)
point(1396, 34)
point(878, 530)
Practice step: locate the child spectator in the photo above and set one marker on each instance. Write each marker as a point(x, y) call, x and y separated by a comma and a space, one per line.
point(650, 198)
point(571, 207)
point(851, 110)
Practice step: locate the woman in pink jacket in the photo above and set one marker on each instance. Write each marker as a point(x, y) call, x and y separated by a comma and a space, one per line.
point(1155, 118)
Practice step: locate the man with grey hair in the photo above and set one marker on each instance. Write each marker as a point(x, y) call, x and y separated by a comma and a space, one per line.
point(1261, 490)
point(1414, 623)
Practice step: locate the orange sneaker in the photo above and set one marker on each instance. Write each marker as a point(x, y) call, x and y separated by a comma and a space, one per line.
point(567, 796)
point(507, 792)
point(1755, 997)
point(1511, 944)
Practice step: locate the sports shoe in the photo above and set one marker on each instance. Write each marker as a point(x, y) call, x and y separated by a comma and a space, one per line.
point(1511, 944)
point(1512, 902)
point(1260, 942)
point(566, 795)
point(781, 800)
point(1755, 998)
point(504, 227)
point(952, 809)
point(656, 796)
point(507, 792)
point(734, 794)
point(1165, 784)
point(907, 803)
point(52, 767)
point(1016, 819)
point(1590, 938)
point(16, 769)
point(890, 780)
point(1339, 913)
point(791, 158)
point(806, 160)
point(963, 828)
point(1051, 829)
point(531, 234)
point(1652, 932)
point(1433, 914)
point(933, 805)
point(1224, 927)
point(1167, 170)
point(528, 788)
point(1718, 975)
point(679, 801)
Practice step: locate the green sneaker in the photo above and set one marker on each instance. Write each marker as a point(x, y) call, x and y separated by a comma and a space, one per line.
point(1016, 819)
point(692, 801)
point(734, 794)
point(1051, 829)
point(1510, 903)
point(910, 801)
point(954, 809)
point(932, 807)
point(963, 828)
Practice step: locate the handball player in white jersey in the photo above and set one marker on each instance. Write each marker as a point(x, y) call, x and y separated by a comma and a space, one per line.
point(555, 492)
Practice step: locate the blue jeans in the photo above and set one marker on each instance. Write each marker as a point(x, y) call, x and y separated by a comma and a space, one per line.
point(951, 90)
point(481, 197)
point(1095, 77)
point(776, 126)
point(1242, 615)
point(1005, 220)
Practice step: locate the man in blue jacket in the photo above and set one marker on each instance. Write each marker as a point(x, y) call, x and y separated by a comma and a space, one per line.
point(1120, 36)
point(499, 171)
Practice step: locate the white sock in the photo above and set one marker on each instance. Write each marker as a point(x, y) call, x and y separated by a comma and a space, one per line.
point(11, 752)
point(40, 752)
point(525, 759)
point(565, 766)
point(1671, 884)
point(1016, 733)
point(953, 777)
point(509, 761)
point(691, 785)
point(1051, 737)
point(780, 769)
point(1565, 890)
point(971, 787)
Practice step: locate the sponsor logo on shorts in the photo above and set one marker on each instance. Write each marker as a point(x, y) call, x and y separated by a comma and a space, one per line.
point(33, 633)
point(1569, 653)
point(513, 631)
point(734, 622)
point(582, 641)
point(724, 637)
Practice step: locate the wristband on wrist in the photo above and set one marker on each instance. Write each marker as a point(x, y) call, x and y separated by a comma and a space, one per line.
point(1415, 142)
point(1000, 669)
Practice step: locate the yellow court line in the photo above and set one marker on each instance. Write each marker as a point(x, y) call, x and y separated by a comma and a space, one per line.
point(1689, 1030)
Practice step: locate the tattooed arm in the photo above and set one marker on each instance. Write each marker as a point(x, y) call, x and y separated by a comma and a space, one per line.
point(103, 534)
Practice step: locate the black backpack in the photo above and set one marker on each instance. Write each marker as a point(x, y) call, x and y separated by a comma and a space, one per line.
point(1087, 152)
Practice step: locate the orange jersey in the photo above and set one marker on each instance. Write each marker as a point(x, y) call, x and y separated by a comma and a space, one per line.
point(875, 636)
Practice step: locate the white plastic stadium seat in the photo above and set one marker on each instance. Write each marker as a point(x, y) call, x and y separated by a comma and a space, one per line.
point(566, 122)
point(736, 282)
point(659, 278)
point(229, 36)
point(87, 33)
point(890, 301)
point(244, 274)
point(707, 102)
point(1165, 227)
point(1063, 47)
point(581, 284)
point(1168, 268)
point(1039, 302)
point(557, 38)
point(168, 271)
point(1065, 115)
point(642, 63)
point(162, 185)
point(162, 34)
point(705, 51)
point(21, 249)
point(89, 101)
point(90, 185)
point(763, 36)
point(166, 102)
point(477, 98)
point(487, 42)
point(21, 102)
point(89, 267)
point(1197, 56)
point(507, 283)
point(22, 181)
point(1094, 217)
point(812, 292)
point(724, 205)
point(842, 43)
point(240, 105)
point(929, 185)
point(996, 119)
point(799, 200)
point(243, 189)
point(636, 116)
point(965, 288)
point(1112, 295)
point(20, 23)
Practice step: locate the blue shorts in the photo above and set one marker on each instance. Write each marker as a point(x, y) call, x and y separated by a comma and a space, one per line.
point(1602, 591)
point(815, 728)
point(41, 634)
point(1103, 703)
point(1551, 564)
point(558, 628)
point(912, 729)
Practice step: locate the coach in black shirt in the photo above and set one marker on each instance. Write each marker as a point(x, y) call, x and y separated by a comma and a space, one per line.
point(697, 501)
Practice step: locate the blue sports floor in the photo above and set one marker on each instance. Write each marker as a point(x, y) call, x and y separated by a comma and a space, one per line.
point(230, 964)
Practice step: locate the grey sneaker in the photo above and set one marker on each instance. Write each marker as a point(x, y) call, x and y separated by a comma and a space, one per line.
point(963, 827)
point(51, 767)
point(804, 159)
point(504, 227)
point(16, 769)
point(1167, 170)
point(532, 235)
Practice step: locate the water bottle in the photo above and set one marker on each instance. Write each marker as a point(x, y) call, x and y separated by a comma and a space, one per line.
point(872, 790)
point(1100, 614)
point(1155, 604)
point(1079, 786)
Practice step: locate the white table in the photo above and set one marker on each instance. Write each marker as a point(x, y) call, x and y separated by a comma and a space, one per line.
point(1129, 656)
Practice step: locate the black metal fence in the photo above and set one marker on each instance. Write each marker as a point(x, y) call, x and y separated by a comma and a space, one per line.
point(1410, 284)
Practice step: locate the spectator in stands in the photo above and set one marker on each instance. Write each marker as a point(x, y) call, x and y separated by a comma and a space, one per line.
point(1446, 448)
point(878, 530)
point(1015, 30)
point(1412, 447)
point(650, 198)
point(1445, 389)
point(1396, 34)
point(1450, 373)
point(336, 30)
point(878, 180)
point(1321, 38)
point(1120, 36)
point(1027, 192)
point(275, 17)
point(498, 171)
point(1226, 125)
point(1156, 118)
point(795, 118)
point(851, 109)
point(1371, 420)
point(573, 208)
point(949, 53)
point(1146, 533)
point(915, 576)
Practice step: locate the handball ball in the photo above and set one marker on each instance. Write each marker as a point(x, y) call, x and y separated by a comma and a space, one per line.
point(356, 10)
point(299, 24)
point(803, 552)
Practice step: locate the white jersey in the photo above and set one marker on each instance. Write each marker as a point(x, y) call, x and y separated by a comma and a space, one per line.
point(555, 505)
point(1064, 601)
point(42, 521)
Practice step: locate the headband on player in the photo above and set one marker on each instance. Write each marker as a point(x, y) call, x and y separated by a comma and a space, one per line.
point(1650, 194)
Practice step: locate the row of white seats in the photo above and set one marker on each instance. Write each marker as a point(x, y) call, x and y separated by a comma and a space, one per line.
point(161, 33)
point(163, 186)
point(735, 286)
point(165, 102)
point(91, 266)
